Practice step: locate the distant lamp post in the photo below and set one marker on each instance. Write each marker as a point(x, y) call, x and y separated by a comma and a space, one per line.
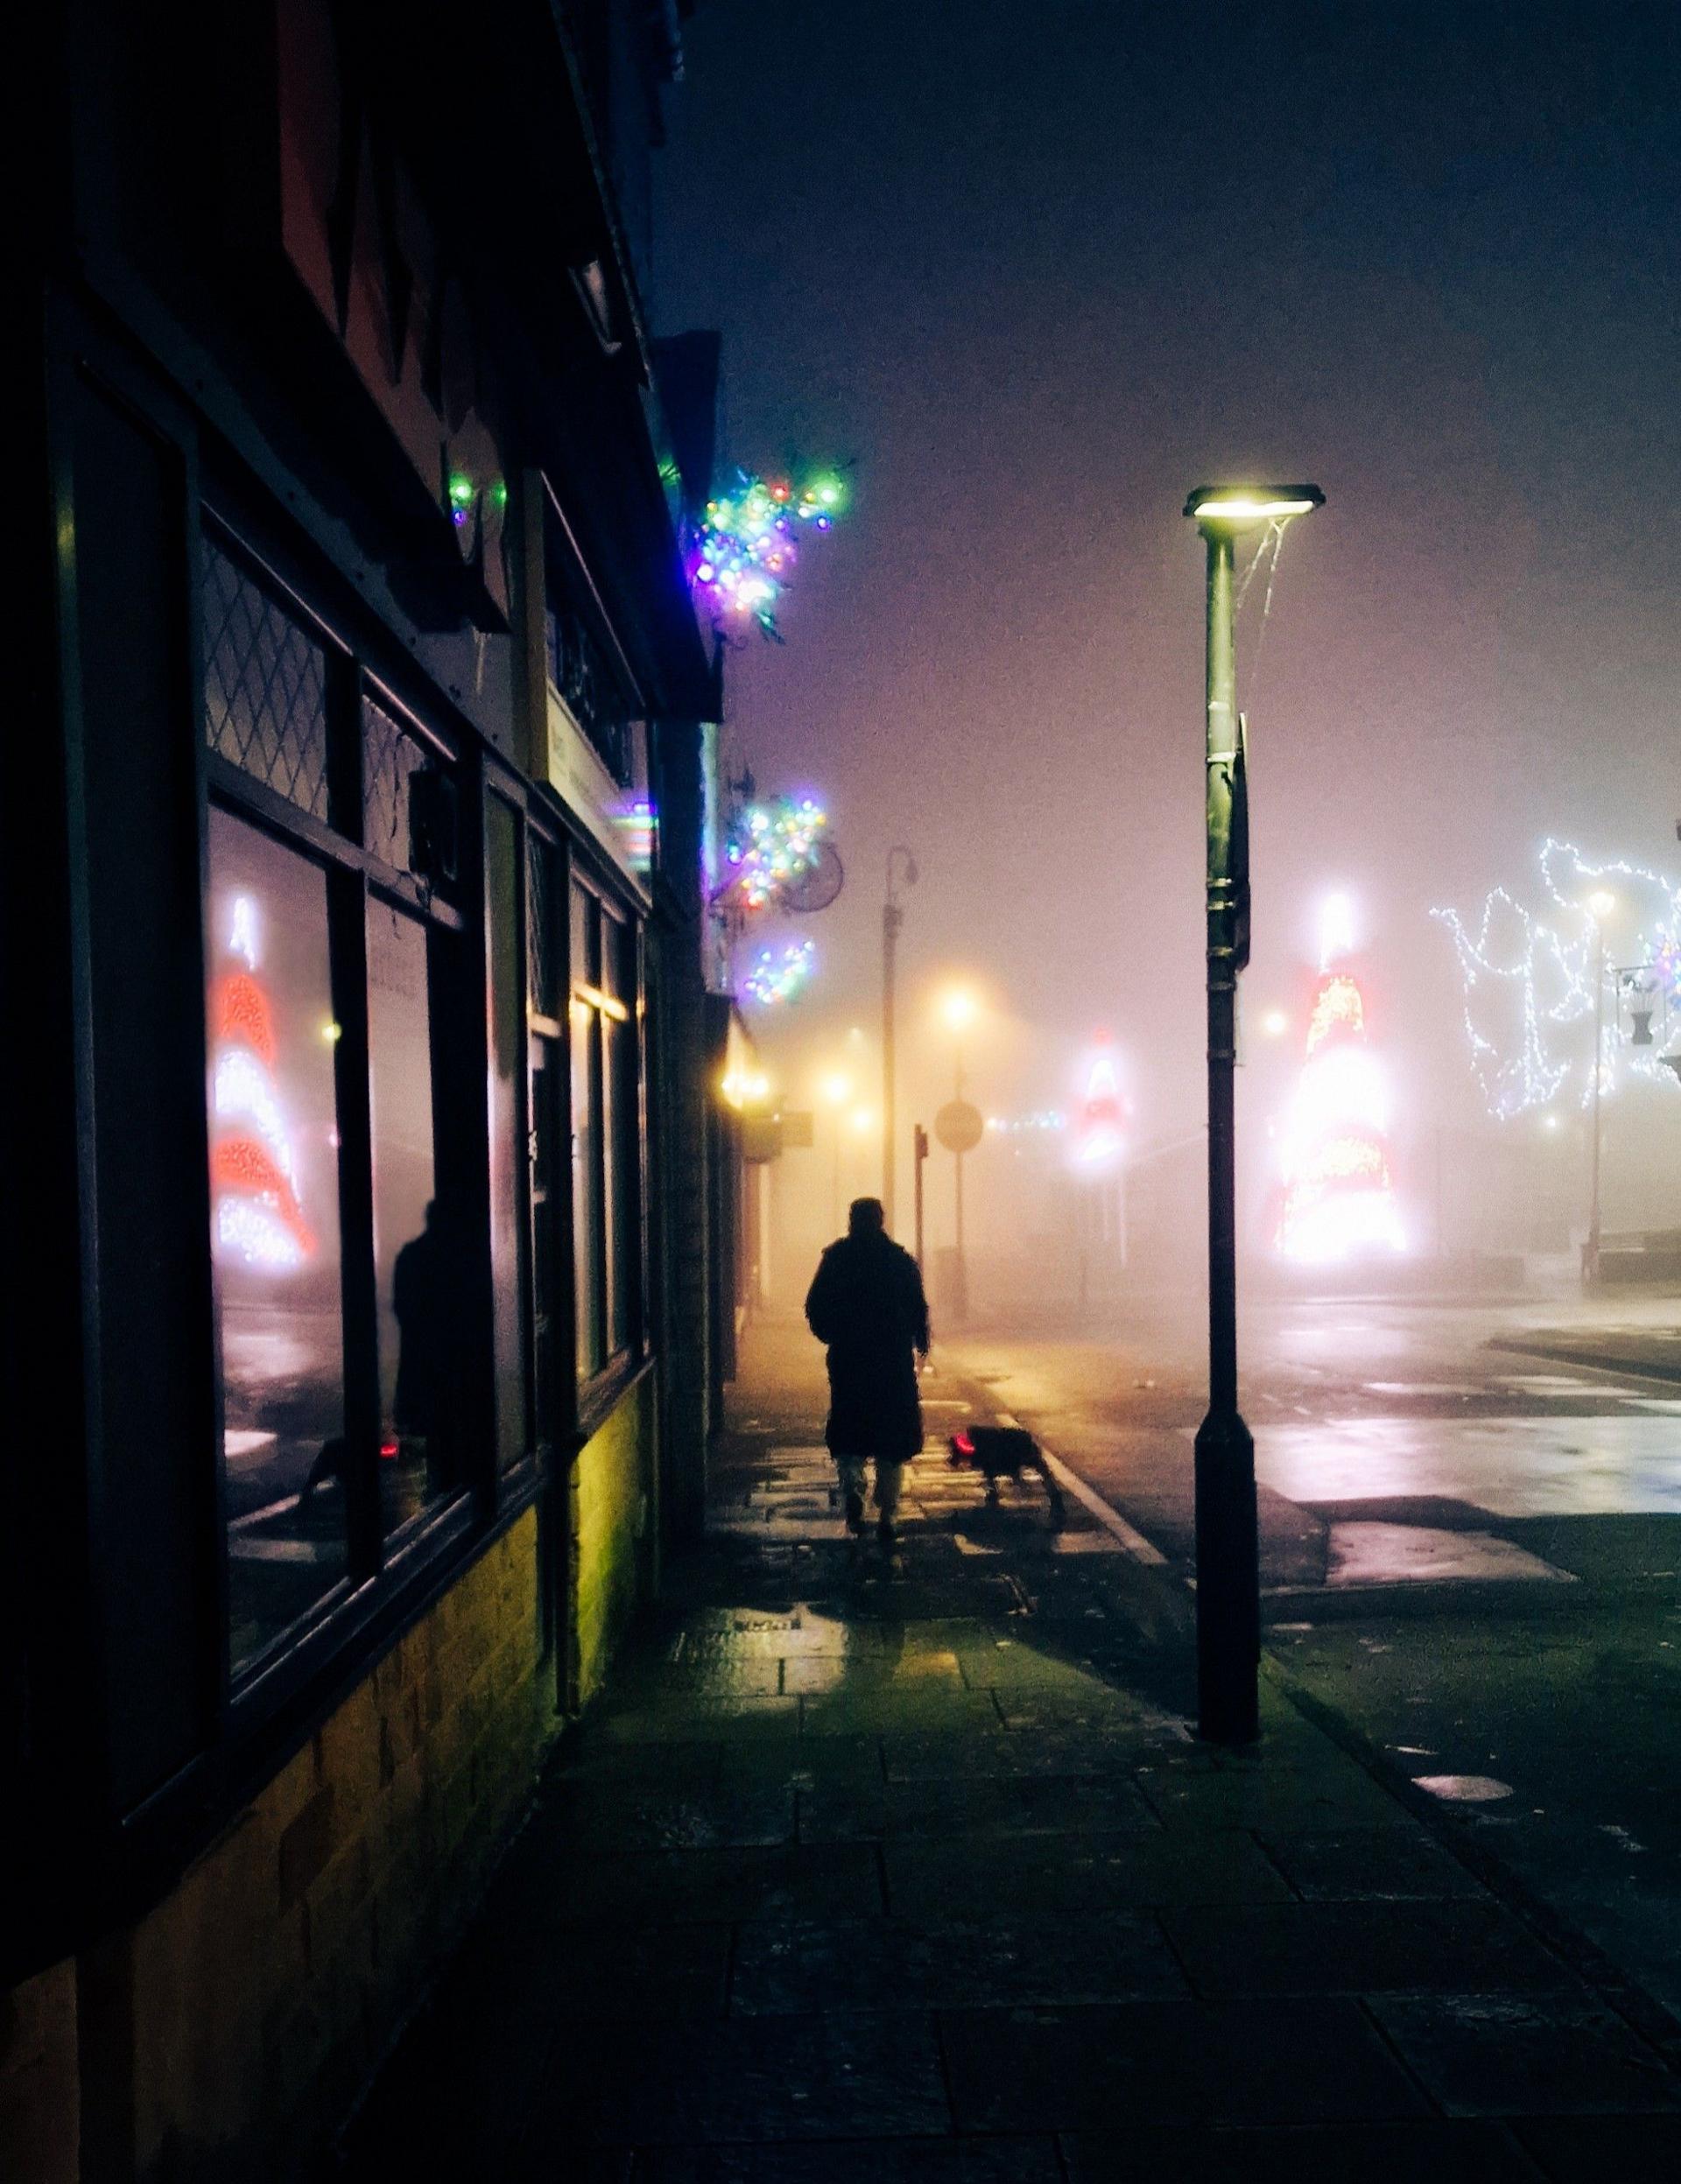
point(1228, 1585)
point(959, 1128)
point(1600, 906)
point(892, 919)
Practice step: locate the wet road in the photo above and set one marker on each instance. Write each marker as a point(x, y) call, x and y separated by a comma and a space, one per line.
point(1381, 1404)
point(1469, 1554)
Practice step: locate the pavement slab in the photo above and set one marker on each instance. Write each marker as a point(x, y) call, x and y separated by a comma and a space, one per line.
point(942, 1878)
point(1310, 2154)
point(1368, 1863)
point(1360, 1949)
point(993, 1962)
point(1495, 2054)
point(833, 2075)
point(913, 2162)
point(1165, 2061)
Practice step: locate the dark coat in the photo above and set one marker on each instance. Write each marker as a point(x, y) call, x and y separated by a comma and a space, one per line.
point(867, 1304)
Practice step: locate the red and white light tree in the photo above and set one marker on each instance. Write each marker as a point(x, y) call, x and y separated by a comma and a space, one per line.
point(1339, 1190)
point(258, 1218)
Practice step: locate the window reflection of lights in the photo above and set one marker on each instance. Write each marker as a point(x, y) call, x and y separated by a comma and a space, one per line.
point(242, 1012)
point(242, 1092)
point(243, 935)
point(257, 1233)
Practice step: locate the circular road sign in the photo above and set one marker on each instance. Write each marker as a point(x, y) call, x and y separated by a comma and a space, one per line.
point(958, 1126)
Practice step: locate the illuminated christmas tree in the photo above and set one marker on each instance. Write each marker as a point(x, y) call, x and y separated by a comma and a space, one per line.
point(258, 1217)
point(1339, 1193)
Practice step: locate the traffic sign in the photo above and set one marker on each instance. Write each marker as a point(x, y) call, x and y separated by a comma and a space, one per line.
point(958, 1126)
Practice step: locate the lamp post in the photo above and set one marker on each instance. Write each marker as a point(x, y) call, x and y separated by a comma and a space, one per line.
point(1600, 904)
point(960, 1009)
point(1229, 1585)
point(892, 919)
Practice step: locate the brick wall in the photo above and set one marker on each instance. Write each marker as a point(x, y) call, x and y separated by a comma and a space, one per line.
point(229, 2030)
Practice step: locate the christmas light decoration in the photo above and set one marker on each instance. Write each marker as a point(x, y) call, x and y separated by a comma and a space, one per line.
point(777, 976)
point(635, 823)
point(769, 847)
point(1099, 1127)
point(1042, 1120)
point(258, 1216)
point(749, 543)
point(1528, 980)
point(1339, 1196)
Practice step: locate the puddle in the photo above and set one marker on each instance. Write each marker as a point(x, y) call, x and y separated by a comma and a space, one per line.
point(1464, 1790)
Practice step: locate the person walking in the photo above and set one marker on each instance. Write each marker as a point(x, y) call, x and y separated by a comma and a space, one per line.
point(867, 1304)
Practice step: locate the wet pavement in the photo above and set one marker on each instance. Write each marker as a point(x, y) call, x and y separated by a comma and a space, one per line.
point(908, 1866)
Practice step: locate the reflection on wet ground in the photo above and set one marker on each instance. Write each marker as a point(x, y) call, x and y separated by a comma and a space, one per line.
point(1569, 1465)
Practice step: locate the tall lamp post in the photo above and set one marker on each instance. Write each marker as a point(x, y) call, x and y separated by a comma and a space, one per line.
point(892, 919)
point(958, 1127)
point(1229, 1583)
point(1600, 904)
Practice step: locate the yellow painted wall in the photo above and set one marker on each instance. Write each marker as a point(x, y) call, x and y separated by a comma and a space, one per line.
point(228, 2032)
point(612, 1517)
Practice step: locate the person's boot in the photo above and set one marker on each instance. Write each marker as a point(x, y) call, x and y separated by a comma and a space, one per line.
point(854, 1512)
point(885, 1533)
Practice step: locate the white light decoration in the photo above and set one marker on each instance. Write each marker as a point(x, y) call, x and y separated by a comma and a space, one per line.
point(1529, 975)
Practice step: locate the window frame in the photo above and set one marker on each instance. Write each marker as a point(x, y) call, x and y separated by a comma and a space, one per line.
point(378, 1562)
point(619, 1128)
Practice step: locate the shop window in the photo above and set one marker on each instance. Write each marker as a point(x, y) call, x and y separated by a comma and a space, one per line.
point(344, 1265)
point(265, 685)
point(550, 1300)
point(589, 1198)
point(415, 1263)
point(623, 1145)
point(510, 1259)
point(606, 1112)
point(274, 1159)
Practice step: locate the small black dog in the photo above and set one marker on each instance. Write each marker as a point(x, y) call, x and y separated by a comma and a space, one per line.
point(1003, 1452)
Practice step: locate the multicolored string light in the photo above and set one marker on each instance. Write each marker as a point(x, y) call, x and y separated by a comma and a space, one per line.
point(749, 543)
point(769, 847)
point(1530, 981)
point(1041, 1119)
point(780, 976)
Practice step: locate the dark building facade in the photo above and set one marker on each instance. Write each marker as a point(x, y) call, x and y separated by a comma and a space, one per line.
point(359, 1095)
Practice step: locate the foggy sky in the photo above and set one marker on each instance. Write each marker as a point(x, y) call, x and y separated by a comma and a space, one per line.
point(1040, 271)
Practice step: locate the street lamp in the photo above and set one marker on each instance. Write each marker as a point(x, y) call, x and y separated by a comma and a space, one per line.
point(1600, 906)
point(1229, 1583)
point(892, 919)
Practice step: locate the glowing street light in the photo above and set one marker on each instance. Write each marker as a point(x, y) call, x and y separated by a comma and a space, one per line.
point(960, 1009)
point(1228, 1582)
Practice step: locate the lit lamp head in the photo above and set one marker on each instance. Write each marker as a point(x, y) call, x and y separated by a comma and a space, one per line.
point(837, 1090)
point(959, 1008)
point(1234, 508)
point(1600, 904)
